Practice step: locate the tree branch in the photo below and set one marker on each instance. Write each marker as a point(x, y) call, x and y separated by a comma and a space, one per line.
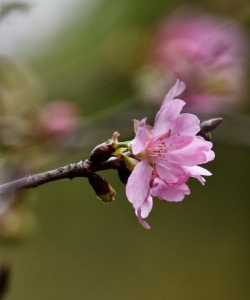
point(86, 168)
point(80, 169)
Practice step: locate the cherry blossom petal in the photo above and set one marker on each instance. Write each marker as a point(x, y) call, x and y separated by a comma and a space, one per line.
point(139, 142)
point(167, 192)
point(142, 222)
point(186, 124)
point(147, 205)
point(166, 118)
point(210, 155)
point(138, 183)
point(178, 142)
point(184, 157)
point(136, 124)
point(175, 91)
point(208, 152)
point(169, 172)
point(197, 173)
point(195, 153)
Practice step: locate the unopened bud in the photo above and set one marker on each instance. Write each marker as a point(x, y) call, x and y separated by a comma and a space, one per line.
point(124, 174)
point(130, 162)
point(210, 125)
point(207, 136)
point(102, 152)
point(207, 126)
point(101, 187)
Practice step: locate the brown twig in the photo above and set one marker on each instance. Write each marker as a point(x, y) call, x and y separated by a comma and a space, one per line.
point(73, 170)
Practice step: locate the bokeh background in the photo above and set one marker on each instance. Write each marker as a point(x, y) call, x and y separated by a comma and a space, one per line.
point(72, 73)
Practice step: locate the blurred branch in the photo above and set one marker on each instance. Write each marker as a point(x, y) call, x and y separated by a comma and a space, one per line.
point(4, 279)
point(6, 8)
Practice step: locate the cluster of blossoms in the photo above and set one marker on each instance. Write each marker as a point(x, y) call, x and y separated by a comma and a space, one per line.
point(160, 159)
point(207, 52)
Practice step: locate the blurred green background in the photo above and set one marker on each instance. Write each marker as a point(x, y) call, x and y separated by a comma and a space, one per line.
point(83, 249)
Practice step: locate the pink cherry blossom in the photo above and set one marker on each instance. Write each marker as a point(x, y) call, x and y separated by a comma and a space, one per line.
point(56, 118)
point(168, 153)
point(208, 53)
